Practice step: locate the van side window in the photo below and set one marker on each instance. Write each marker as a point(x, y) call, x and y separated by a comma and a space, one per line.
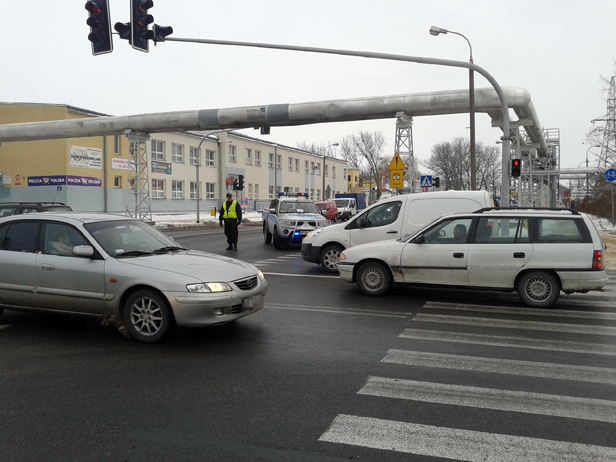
point(383, 215)
point(21, 237)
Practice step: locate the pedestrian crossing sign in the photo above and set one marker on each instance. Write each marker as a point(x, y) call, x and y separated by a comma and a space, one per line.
point(426, 181)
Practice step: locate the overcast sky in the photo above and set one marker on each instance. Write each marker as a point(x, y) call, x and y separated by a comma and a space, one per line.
point(558, 50)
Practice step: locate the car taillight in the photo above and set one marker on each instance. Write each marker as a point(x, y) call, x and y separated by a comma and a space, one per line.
point(597, 259)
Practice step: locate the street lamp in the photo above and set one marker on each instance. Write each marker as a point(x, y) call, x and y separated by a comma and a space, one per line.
point(324, 155)
point(471, 100)
point(589, 148)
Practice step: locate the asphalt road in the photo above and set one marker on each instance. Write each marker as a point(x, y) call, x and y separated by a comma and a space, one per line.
point(322, 373)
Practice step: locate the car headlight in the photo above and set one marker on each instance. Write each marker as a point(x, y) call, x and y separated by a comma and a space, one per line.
point(261, 277)
point(342, 257)
point(209, 287)
point(286, 223)
point(322, 224)
point(314, 233)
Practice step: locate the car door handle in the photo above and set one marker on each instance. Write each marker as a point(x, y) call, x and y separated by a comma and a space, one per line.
point(392, 232)
point(47, 267)
point(458, 255)
point(519, 254)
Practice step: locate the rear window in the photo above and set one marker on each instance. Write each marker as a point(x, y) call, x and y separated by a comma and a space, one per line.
point(7, 211)
point(557, 230)
point(20, 237)
point(58, 208)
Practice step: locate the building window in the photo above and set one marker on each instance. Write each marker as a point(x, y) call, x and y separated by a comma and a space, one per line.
point(158, 151)
point(271, 192)
point(177, 153)
point(318, 167)
point(256, 192)
point(194, 156)
point(232, 156)
point(177, 189)
point(158, 189)
point(326, 169)
point(249, 190)
point(210, 157)
point(333, 171)
point(271, 160)
point(318, 194)
point(306, 167)
point(257, 158)
point(279, 161)
point(290, 164)
point(193, 190)
point(297, 165)
point(248, 156)
point(116, 145)
point(209, 190)
point(117, 182)
point(312, 167)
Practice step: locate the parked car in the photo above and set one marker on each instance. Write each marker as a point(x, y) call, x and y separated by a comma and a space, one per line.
point(387, 219)
point(536, 252)
point(18, 208)
point(114, 266)
point(328, 209)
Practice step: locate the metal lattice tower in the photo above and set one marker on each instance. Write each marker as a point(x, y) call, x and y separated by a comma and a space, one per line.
point(608, 145)
point(404, 147)
point(138, 205)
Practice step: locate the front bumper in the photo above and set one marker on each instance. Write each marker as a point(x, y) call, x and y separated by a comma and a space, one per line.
point(310, 252)
point(346, 271)
point(206, 309)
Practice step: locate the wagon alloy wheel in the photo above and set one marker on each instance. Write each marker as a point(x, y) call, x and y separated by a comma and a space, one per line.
point(147, 316)
point(329, 257)
point(538, 289)
point(374, 278)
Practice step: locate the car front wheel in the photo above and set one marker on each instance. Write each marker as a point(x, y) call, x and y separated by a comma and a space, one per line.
point(147, 316)
point(374, 278)
point(329, 257)
point(267, 236)
point(538, 289)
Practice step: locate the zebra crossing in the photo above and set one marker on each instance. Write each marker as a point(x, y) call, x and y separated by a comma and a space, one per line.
point(588, 327)
point(273, 261)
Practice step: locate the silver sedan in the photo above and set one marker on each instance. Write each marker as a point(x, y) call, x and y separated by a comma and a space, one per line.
point(122, 269)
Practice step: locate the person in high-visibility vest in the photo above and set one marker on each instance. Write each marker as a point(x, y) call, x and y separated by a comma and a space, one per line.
point(231, 214)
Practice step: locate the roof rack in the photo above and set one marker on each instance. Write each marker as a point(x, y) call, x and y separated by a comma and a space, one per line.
point(552, 209)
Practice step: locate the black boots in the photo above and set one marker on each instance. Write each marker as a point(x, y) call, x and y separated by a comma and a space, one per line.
point(234, 246)
point(230, 247)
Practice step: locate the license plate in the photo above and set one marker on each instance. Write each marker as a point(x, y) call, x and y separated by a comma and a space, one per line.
point(304, 233)
point(248, 303)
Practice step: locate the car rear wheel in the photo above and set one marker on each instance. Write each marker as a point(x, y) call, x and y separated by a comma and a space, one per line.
point(329, 257)
point(147, 316)
point(538, 289)
point(267, 236)
point(374, 278)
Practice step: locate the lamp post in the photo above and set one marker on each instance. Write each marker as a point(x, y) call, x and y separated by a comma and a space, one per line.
point(325, 155)
point(471, 100)
point(589, 148)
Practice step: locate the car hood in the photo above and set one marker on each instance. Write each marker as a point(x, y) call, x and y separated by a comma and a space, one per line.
point(202, 266)
point(374, 248)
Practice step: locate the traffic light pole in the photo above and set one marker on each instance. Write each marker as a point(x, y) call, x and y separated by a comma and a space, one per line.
point(506, 138)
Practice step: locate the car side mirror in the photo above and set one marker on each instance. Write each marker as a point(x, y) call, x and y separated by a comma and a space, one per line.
point(361, 222)
point(83, 250)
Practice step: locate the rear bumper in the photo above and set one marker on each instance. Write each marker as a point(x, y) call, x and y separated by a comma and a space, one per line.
point(574, 281)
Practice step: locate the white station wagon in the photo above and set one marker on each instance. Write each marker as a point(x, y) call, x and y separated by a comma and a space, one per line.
point(537, 252)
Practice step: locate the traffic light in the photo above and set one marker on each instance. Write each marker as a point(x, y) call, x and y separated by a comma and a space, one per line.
point(516, 165)
point(124, 29)
point(100, 26)
point(139, 21)
point(235, 184)
point(240, 183)
point(160, 32)
point(436, 182)
point(228, 182)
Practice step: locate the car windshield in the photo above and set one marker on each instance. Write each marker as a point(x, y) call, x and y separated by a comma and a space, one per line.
point(295, 207)
point(320, 206)
point(342, 202)
point(129, 238)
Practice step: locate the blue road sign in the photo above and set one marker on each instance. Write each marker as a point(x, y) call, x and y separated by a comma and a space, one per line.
point(426, 181)
point(610, 175)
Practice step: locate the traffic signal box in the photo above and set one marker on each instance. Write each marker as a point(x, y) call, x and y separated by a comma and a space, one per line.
point(516, 167)
point(235, 188)
point(240, 183)
point(100, 26)
point(139, 22)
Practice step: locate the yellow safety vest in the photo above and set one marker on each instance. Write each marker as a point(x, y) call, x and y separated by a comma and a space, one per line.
point(231, 212)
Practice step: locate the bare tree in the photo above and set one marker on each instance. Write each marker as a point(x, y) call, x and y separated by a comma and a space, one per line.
point(365, 152)
point(450, 161)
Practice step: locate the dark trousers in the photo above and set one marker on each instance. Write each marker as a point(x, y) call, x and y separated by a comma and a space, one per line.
point(231, 230)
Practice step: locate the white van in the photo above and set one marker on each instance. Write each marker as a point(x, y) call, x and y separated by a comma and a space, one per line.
point(390, 218)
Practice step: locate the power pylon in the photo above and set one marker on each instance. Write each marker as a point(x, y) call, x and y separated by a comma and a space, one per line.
point(607, 158)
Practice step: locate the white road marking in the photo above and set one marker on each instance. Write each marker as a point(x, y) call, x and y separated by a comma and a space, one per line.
point(508, 324)
point(454, 443)
point(502, 366)
point(489, 398)
point(322, 309)
point(522, 311)
point(508, 341)
point(302, 275)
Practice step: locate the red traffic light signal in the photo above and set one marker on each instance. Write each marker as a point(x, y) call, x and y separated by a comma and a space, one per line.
point(100, 26)
point(235, 188)
point(516, 167)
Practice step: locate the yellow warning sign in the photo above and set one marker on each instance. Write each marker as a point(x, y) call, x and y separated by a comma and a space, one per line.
point(396, 179)
point(396, 163)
